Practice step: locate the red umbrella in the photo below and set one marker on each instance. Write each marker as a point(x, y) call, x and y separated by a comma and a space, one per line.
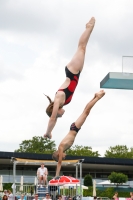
point(63, 180)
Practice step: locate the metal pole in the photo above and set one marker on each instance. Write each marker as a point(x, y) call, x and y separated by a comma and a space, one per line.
point(125, 57)
point(122, 64)
point(76, 177)
point(76, 170)
point(80, 180)
point(14, 177)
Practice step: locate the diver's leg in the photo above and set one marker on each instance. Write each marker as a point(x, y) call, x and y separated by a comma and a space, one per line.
point(77, 62)
point(80, 121)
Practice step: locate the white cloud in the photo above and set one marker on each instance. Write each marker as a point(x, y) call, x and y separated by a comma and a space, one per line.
point(38, 38)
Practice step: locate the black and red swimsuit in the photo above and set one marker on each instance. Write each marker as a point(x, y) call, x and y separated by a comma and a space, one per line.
point(72, 86)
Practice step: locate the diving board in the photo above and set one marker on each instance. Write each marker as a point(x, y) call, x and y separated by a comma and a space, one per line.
point(117, 80)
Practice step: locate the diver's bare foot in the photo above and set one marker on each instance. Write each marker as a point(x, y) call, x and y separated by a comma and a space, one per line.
point(100, 94)
point(48, 136)
point(91, 23)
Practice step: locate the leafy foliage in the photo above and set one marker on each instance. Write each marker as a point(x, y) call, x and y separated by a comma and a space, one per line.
point(119, 151)
point(88, 180)
point(118, 178)
point(78, 150)
point(49, 178)
point(37, 145)
point(47, 146)
point(7, 186)
point(106, 192)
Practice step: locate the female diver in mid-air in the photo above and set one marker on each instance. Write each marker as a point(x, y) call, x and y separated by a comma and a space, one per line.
point(73, 69)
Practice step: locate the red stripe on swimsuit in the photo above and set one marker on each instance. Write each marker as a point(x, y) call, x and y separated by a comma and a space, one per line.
point(69, 91)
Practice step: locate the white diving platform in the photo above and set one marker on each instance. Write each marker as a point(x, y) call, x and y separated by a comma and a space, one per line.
point(118, 80)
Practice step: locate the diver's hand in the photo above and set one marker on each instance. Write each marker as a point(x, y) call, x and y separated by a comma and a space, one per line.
point(57, 177)
point(48, 135)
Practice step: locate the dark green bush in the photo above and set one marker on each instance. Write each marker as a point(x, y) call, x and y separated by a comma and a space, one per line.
point(88, 180)
point(105, 192)
point(7, 186)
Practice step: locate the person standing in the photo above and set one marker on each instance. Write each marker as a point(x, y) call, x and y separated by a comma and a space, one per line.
point(116, 197)
point(10, 195)
point(47, 197)
point(131, 195)
point(5, 197)
point(36, 197)
point(5, 193)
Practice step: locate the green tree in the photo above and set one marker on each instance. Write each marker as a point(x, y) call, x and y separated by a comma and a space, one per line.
point(106, 192)
point(37, 145)
point(118, 178)
point(119, 151)
point(49, 178)
point(82, 151)
point(88, 180)
point(7, 186)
